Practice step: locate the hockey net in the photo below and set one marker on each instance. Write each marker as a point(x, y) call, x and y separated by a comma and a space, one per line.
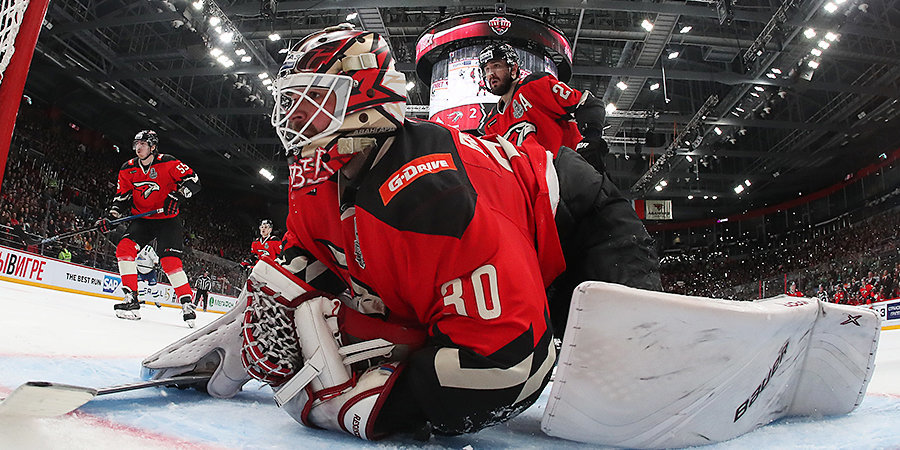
point(11, 14)
point(20, 24)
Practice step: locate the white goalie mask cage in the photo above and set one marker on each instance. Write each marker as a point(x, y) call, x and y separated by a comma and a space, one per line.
point(309, 106)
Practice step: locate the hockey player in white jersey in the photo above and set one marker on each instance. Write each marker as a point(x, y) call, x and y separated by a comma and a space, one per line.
point(147, 262)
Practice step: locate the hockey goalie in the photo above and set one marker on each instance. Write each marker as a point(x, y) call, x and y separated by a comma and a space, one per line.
point(410, 296)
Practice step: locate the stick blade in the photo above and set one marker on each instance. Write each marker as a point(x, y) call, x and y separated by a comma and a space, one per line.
point(43, 399)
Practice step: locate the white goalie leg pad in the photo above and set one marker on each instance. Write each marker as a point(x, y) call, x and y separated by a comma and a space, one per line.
point(649, 369)
point(324, 393)
point(215, 348)
point(839, 363)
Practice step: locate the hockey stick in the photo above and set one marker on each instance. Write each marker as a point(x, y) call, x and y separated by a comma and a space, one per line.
point(45, 399)
point(94, 227)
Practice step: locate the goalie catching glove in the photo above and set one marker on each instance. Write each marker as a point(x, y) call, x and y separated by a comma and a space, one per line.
point(350, 361)
point(331, 366)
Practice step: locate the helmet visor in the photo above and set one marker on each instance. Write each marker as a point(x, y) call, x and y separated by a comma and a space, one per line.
point(309, 106)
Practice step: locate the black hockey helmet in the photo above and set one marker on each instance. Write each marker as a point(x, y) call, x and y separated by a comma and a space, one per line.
point(501, 51)
point(150, 137)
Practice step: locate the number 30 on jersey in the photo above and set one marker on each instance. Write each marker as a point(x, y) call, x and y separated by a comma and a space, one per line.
point(482, 282)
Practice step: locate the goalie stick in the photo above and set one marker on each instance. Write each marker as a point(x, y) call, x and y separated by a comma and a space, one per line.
point(45, 399)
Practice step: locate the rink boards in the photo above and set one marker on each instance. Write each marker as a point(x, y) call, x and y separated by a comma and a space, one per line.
point(35, 270)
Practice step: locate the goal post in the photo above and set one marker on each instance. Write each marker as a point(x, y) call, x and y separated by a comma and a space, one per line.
point(20, 24)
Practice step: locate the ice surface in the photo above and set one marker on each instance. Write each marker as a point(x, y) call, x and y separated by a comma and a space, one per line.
point(74, 339)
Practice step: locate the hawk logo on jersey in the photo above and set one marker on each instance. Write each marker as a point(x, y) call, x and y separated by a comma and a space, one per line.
point(146, 187)
point(518, 132)
point(412, 170)
point(499, 25)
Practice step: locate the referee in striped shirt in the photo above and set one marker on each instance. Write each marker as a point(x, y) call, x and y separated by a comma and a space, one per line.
point(203, 284)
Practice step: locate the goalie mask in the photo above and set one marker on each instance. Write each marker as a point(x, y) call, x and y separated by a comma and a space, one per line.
point(336, 89)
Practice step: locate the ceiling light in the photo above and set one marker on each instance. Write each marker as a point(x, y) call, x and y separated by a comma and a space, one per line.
point(830, 7)
point(263, 75)
point(247, 58)
point(284, 50)
point(830, 36)
point(240, 52)
point(759, 88)
point(198, 5)
point(654, 86)
point(738, 189)
point(658, 188)
point(809, 33)
point(215, 52)
point(824, 45)
point(718, 131)
point(686, 29)
point(266, 174)
point(673, 55)
point(267, 82)
point(621, 85)
point(647, 25)
point(739, 109)
point(274, 37)
point(215, 20)
point(690, 197)
point(813, 64)
point(351, 16)
point(663, 183)
point(610, 108)
point(715, 197)
point(705, 197)
point(776, 70)
point(816, 52)
point(771, 75)
point(689, 158)
point(754, 94)
point(226, 36)
point(747, 182)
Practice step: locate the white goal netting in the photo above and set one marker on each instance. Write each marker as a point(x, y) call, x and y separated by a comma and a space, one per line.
point(11, 14)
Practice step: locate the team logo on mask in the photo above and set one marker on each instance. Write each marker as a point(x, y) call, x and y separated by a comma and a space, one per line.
point(499, 25)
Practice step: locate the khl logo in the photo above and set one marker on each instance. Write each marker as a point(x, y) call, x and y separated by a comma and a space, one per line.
point(111, 283)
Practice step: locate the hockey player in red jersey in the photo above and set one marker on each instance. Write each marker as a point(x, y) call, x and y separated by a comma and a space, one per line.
point(151, 181)
point(601, 235)
point(267, 244)
point(446, 241)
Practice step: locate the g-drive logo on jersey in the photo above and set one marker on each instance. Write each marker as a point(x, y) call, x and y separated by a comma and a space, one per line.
point(412, 170)
point(111, 283)
point(499, 25)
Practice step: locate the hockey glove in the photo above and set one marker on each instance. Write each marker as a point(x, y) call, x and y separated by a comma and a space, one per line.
point(170, 204)
point(216, 348)
point(593, 150)
point(331, 391)
point(102, 225)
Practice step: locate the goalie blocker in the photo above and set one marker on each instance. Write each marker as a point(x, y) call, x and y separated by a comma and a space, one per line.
point(666, 370)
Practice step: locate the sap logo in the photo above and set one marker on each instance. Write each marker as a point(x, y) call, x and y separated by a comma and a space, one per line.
point(111, 283)
point(412, 170)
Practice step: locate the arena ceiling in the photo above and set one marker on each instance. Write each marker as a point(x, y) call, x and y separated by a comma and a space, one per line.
point(752, 95)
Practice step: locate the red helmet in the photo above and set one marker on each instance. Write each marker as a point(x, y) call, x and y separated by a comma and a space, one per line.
point(336, 89)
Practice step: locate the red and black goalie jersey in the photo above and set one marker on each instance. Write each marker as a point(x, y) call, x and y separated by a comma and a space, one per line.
point(270, 246)
point(145, 189)
point(543, 104)
point(450, 231)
